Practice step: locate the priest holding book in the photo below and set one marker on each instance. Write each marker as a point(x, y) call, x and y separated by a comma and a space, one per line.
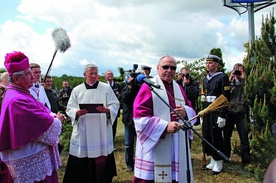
point(91, 157)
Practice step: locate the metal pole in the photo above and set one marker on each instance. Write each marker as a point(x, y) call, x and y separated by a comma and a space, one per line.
point(251, 25)
point(251, 22)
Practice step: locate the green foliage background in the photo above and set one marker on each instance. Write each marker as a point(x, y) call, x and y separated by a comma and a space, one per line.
point(260, 88)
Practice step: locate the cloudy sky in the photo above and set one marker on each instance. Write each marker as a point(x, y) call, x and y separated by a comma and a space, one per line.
point(120, 33)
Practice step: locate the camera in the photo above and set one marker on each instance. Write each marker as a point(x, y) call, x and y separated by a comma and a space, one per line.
point(131, 73)
point(186, 75)
point(237, 72)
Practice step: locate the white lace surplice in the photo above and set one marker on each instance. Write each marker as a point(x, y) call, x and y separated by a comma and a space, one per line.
point(37, 159)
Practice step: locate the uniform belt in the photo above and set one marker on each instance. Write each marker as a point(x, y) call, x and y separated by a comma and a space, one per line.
point(208, 98)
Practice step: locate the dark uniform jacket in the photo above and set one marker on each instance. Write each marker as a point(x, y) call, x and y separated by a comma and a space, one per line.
point(128, 96)
point(215, 86)
point(118, 88)
point(192, 92)
point(55, 105)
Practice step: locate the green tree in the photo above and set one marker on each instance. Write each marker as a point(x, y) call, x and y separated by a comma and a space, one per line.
point(217, 52)
point(120, 78)
point(260, 90)
point(196, 67)
point(2, 70)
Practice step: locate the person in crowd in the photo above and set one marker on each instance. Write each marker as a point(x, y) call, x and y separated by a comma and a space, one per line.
point(56, 107)
point(29, 134)
point(236, 113)
point(116, 87)
point(128, 94)
point(161, 144)
point(4, 80)
point(146, 70)
point(37, 90)
point(4, 83)
point(65, 93)
point(215, 84)
point(52, 96)
point(91, 157)
point(179, 79)
point(191, 86)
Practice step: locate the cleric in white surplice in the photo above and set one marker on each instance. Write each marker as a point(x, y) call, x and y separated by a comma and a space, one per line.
point(161, 154)
point(91, 157)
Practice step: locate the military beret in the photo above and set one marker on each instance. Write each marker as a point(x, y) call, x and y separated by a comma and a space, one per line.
point(213, 58)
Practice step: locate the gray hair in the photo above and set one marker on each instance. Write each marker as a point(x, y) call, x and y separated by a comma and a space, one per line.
point(166, 57)
point(107, 72)
point(3, 75)
point(19, 73)
point(93, 66)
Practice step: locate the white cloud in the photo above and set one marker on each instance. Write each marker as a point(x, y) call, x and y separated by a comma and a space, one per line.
point(214, 24)
point(84, 62)
point(122, 33)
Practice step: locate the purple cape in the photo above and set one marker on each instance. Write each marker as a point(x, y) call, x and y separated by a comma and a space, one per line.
point(22, 120)
point(145, 97)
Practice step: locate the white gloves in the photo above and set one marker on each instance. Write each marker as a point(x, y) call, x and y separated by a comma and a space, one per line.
point(201, 120)
point(221, 122)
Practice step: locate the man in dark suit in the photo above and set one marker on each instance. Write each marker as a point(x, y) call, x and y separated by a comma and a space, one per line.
point(109, 77)
point(65, 93)
point(52, 96)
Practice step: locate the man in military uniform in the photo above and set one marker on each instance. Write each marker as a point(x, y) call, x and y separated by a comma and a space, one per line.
point(214, 84)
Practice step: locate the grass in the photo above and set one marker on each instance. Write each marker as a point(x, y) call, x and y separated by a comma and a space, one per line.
point(232, 172)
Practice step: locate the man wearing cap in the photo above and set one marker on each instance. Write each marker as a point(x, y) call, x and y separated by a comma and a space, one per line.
point(146, 70)
point(28, 133)
point(214, 84)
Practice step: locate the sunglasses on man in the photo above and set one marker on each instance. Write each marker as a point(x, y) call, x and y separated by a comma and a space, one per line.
point(166, 67)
